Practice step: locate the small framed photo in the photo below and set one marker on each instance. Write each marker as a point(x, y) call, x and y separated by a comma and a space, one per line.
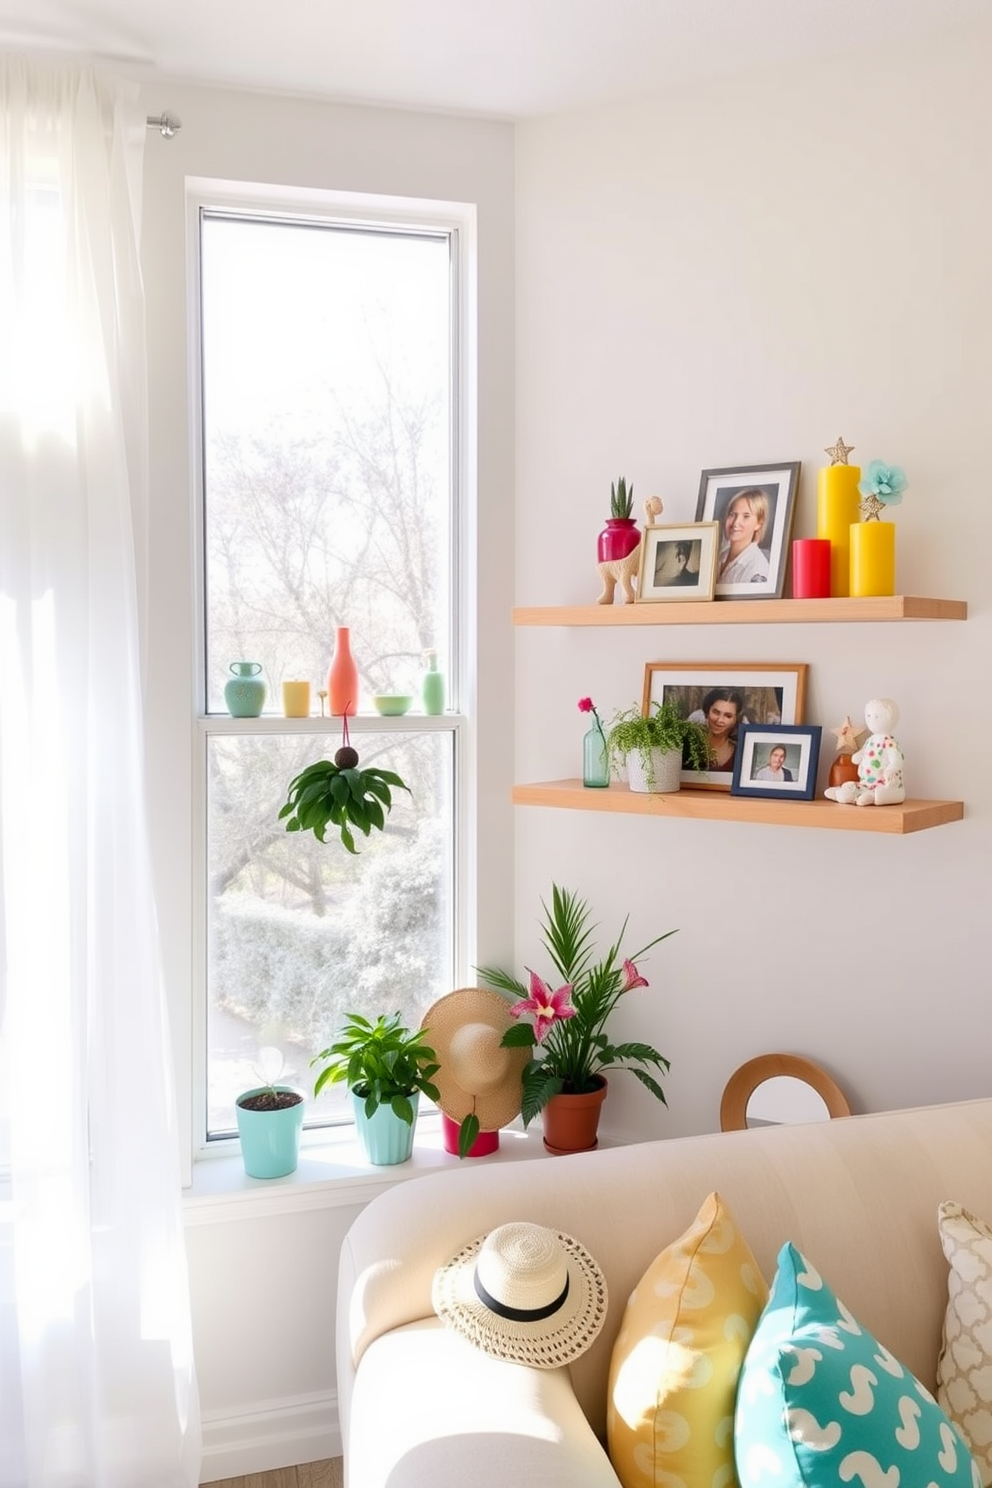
point(678, 562)
point(725, 696)
point(754, 506)
point(774, 760)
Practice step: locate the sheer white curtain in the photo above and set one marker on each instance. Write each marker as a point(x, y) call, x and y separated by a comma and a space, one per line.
point(97, 1388)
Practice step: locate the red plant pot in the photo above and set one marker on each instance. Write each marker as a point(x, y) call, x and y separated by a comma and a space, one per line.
point(618, 538)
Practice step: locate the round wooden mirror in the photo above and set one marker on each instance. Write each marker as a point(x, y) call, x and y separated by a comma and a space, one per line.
point(783, 1070)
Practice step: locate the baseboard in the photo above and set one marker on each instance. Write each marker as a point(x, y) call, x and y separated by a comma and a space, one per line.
point(269, 1435)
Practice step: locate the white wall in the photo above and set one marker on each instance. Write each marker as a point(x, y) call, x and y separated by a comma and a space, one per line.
point(735, 274)
point(263, 1283)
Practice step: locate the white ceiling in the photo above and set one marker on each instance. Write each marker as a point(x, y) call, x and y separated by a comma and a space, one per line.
point(505, 58)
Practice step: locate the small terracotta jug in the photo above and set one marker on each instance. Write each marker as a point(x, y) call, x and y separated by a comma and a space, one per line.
point(843, 768)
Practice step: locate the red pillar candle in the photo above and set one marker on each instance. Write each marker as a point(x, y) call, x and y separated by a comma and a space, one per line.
point(811, 568)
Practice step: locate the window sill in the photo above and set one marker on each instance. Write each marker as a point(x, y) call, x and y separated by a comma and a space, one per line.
point(331, 1174)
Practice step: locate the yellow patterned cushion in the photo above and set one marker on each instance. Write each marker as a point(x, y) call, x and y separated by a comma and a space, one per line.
point(964, 1369)
point(673, 1375)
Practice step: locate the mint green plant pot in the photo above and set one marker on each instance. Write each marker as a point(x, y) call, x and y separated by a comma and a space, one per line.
point(270, 1140)
point(387, 1139)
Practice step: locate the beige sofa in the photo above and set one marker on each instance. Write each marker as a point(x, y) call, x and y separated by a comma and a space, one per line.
point(420, 1408)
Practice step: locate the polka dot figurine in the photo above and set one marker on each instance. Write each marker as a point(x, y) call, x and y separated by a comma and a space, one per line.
point(879, 762)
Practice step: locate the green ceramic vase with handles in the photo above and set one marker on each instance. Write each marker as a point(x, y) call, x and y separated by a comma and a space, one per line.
point(244, 691)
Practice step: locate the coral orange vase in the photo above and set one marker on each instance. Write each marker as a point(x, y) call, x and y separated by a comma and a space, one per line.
point(342, 677)
point(571, 1122)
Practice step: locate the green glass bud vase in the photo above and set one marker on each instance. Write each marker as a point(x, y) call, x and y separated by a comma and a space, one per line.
point(595, 763)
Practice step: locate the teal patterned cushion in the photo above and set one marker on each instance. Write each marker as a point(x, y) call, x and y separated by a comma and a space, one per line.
point(822, 1403)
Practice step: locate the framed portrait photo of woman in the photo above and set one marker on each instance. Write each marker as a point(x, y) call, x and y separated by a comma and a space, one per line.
point(725, 697)
point(754, 506)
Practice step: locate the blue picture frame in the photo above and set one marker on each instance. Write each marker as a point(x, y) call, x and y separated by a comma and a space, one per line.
point(777, 761)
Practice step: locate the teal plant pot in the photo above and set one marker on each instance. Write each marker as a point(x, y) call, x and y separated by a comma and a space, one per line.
point(270, 1140)
point(386, 1138)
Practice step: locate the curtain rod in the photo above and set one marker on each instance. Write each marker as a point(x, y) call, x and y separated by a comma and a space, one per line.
point(167, 126)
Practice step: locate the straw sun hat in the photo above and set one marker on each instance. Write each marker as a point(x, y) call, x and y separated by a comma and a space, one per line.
point(476, 1074)
point(525, 1294)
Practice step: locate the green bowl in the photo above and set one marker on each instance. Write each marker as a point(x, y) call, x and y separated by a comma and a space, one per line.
point(391, 705)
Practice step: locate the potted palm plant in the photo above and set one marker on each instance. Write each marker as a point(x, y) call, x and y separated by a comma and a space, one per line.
point(386, 1066)
point(566, 1029)
point(656, 746)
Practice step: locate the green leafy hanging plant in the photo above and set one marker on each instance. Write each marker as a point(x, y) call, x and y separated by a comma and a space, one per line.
point(338, 792)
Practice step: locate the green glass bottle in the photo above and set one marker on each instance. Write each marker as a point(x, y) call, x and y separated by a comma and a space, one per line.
point(432, 686)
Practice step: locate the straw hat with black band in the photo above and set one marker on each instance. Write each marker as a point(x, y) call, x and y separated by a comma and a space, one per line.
point(525, 1294)
point(476, 1073)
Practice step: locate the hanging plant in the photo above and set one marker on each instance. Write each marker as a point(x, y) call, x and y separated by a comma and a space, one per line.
point(338, 792)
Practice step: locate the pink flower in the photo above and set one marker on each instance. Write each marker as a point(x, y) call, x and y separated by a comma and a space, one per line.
point(548, 1007)
point(632, 977)
point(586, 705)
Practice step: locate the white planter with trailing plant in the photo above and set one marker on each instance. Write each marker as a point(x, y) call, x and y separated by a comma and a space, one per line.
point(656, 748)
point(657, 770)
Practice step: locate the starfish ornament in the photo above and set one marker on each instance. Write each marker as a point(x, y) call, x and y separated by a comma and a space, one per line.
point(838, 452)
point(847, 736)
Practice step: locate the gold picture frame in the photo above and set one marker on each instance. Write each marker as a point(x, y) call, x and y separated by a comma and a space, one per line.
point(723, 695)
point(678, 562)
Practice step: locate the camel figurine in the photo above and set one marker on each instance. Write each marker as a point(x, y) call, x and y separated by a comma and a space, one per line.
point(879, 762)
point(622, 571)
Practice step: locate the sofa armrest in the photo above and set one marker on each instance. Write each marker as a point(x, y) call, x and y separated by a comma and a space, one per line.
point(429, 1408)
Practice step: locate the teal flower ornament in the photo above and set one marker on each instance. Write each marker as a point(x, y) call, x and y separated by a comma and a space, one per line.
point(881, 486)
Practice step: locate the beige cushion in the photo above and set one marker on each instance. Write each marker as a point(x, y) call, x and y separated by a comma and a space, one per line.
point(964, 1369)
point(673, 1375)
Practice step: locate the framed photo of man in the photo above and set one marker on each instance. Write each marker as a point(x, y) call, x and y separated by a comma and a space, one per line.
point(754, 506)
point(775, 760)
point(724, 697)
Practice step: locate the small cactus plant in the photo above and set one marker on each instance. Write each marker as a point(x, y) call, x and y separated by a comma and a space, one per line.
point(621, 500)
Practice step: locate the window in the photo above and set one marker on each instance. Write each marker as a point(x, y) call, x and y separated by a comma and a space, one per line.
point(330, 497)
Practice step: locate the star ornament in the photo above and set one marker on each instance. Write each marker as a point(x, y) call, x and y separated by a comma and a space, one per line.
point(847, 736)
point(838, 452)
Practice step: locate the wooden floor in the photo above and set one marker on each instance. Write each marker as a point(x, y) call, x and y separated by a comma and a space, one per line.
point(310, 1475)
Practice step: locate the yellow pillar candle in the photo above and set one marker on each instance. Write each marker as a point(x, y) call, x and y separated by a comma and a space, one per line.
point(296, 699)
point(873, 558)
point(837, 508)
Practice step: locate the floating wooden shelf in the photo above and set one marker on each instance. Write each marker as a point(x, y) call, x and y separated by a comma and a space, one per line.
point(911, 816)
point(746, 611)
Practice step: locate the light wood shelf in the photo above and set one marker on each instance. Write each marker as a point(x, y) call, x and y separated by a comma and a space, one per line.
point(911, 816)
point(746, 612)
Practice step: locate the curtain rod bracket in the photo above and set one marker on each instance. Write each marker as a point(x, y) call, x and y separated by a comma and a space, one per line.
point(167, 126)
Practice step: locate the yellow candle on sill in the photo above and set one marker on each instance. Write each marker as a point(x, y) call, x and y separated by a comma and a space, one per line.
point(837, 508)
point(296, 699)
point(873, 558)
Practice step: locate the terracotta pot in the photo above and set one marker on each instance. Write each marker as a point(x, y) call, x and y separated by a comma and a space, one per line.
point(571, 1122)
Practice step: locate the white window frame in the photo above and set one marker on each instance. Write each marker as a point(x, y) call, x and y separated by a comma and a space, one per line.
point(350, 209)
